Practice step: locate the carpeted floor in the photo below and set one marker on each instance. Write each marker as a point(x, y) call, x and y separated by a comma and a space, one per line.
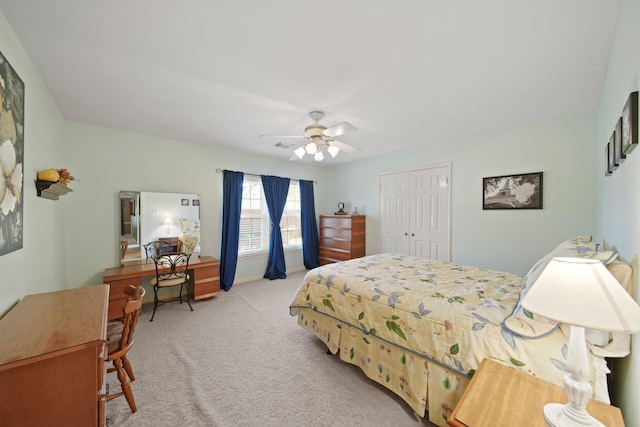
point(239, 360)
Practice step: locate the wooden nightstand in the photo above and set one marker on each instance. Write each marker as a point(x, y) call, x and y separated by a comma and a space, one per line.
point(500, 396)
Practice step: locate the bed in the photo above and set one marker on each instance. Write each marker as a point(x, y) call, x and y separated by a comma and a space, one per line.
point(421, 327)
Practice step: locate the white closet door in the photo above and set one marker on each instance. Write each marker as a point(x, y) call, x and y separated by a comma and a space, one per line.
point(415, 213)
point(429, 218)
point(394, 213)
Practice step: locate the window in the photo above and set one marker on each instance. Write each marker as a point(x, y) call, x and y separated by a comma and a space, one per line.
point(255, 225)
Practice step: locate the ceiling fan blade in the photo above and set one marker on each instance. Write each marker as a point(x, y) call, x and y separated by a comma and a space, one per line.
point(339, 129)
point(283, 136)
point(345, 147)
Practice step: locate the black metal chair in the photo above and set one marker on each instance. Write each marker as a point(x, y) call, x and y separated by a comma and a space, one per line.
point(171, 270)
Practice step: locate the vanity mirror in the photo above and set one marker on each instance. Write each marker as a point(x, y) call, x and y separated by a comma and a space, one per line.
point(148, 216)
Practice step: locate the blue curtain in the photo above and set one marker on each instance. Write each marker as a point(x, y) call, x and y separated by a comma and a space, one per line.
point(275, 192)
point(310, 240)
point(231, 207)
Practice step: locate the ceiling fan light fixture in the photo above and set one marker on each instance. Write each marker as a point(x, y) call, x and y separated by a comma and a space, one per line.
point(318, 157)
point(300, 152)
point(311, 148)
point(333, 150)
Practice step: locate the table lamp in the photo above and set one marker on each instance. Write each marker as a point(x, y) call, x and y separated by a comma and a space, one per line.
point(168, 221)
point(583, 294)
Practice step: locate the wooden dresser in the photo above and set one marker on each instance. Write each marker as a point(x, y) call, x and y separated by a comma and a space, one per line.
point(342, 237)
point(52, 351)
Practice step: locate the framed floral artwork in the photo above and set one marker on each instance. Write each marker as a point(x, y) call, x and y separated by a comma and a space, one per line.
point(11, 157)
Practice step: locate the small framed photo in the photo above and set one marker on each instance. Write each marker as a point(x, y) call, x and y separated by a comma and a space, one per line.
point(607, 159)
point(612, 152)
point(618, 154)
point(630, 123)
point(196, 202)
point(184, 202)
point(522, 191)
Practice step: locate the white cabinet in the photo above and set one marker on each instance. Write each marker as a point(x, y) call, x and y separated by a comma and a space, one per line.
point(415, 212)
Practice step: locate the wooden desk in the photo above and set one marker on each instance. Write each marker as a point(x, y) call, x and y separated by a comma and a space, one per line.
point(204, 281)
point(502, 396)
point(52, 359)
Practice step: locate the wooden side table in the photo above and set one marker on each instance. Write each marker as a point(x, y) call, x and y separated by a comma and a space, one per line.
point(498, 396)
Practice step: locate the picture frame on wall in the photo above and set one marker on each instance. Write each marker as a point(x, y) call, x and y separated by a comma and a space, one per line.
point(522, 191)
point(612, 143)
point(607, 160)
point(618, 152)
point(11, 158)
point(629, 126)
point(184, 202)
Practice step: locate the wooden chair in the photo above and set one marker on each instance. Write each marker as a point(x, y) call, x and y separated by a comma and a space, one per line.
point(171, 270)
point(124, 244)
point(120, 341)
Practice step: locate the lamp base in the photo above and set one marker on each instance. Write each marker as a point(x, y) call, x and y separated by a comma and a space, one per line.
point(555, 416)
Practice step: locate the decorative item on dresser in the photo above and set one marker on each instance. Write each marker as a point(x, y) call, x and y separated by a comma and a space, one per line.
point(52, 359)
point(342, 237)
point(204, 272)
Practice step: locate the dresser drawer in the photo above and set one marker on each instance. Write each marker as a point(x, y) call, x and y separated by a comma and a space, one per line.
point(335, 222)
point(334, 254)
point(336, 233)
point(339, 244)
point(206, 282)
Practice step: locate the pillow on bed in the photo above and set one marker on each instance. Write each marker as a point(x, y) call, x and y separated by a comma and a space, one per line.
point(190, 225)
point(524, 323)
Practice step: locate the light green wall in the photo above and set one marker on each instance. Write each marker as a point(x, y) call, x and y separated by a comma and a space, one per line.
point(41, 265)
point(109, 160)
point(502, 240)
point(619, 194)
point(68, 243)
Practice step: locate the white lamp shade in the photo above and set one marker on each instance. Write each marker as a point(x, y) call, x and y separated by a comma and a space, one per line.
point(582, 292)
point(310, 148)
point(318, 157)
point(333, 150)
point(300, 152)
point(168, 221)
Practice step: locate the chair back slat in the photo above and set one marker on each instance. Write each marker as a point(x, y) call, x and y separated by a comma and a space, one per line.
point(131, 311)
point(169, 267)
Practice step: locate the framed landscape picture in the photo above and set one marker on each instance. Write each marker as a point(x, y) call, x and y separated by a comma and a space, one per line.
point(630, 123)
point(607, 159)
point(522, 191)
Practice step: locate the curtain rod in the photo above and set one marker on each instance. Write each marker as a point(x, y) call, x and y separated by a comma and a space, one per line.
point(218, 170)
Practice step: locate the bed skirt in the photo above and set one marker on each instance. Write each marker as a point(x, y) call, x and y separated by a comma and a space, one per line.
point(423, 384)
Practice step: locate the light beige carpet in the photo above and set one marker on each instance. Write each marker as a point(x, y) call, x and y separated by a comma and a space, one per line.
point(239, 360)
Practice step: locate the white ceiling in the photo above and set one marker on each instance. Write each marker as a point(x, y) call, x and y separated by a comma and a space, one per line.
point(404, 72)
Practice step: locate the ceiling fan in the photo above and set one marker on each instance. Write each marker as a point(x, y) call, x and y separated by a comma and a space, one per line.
point(319, 137)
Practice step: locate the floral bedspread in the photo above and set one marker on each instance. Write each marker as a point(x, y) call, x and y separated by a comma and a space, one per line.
point(445, 313)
